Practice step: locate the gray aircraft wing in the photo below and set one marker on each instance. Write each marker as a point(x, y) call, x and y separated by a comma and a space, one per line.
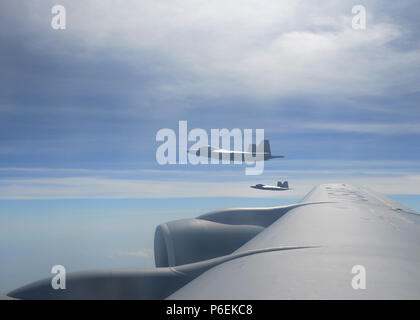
point(308, 250)
point(350, 227)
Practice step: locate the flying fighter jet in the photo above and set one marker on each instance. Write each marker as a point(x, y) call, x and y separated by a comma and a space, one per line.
point(280, 186)
point(338, 242)
point(253, 150)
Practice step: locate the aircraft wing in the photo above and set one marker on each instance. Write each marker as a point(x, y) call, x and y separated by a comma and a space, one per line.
point(344, 227)
point(303, 251)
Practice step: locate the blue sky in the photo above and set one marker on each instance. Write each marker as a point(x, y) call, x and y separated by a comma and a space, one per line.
point(80, 108)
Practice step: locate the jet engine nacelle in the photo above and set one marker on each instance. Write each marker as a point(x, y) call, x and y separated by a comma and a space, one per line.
point(191, 240)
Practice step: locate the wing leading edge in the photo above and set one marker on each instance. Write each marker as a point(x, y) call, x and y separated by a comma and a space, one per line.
point(352, 227)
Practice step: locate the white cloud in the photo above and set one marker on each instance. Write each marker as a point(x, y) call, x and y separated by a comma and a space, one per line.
point(356, 127)
point(388, 181)
point(109, 188)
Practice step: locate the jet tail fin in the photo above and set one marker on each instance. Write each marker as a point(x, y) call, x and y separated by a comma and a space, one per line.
point(283, 185)
point(267, 148)
point(266, 145)
point(263, 147)
point(263, 144)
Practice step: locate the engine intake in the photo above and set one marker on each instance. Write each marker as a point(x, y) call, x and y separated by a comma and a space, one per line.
point(191, 240)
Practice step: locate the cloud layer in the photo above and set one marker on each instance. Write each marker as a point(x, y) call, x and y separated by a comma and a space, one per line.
point(386, 177)
point(266, 49)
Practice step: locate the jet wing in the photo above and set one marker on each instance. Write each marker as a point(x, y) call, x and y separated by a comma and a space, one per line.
point(339, 242)
point(344, 227)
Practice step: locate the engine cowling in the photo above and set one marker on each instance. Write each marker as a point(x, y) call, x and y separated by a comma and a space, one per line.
point(191, 240)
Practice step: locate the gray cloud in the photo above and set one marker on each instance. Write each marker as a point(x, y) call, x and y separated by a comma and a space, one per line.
point(251, 48)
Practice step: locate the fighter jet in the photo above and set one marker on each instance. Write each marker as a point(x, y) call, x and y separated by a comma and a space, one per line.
point(217, 153)
point(280, 186)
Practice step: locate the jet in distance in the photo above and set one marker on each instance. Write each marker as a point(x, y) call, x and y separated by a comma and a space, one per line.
point(221, 154)
point(280, 186)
